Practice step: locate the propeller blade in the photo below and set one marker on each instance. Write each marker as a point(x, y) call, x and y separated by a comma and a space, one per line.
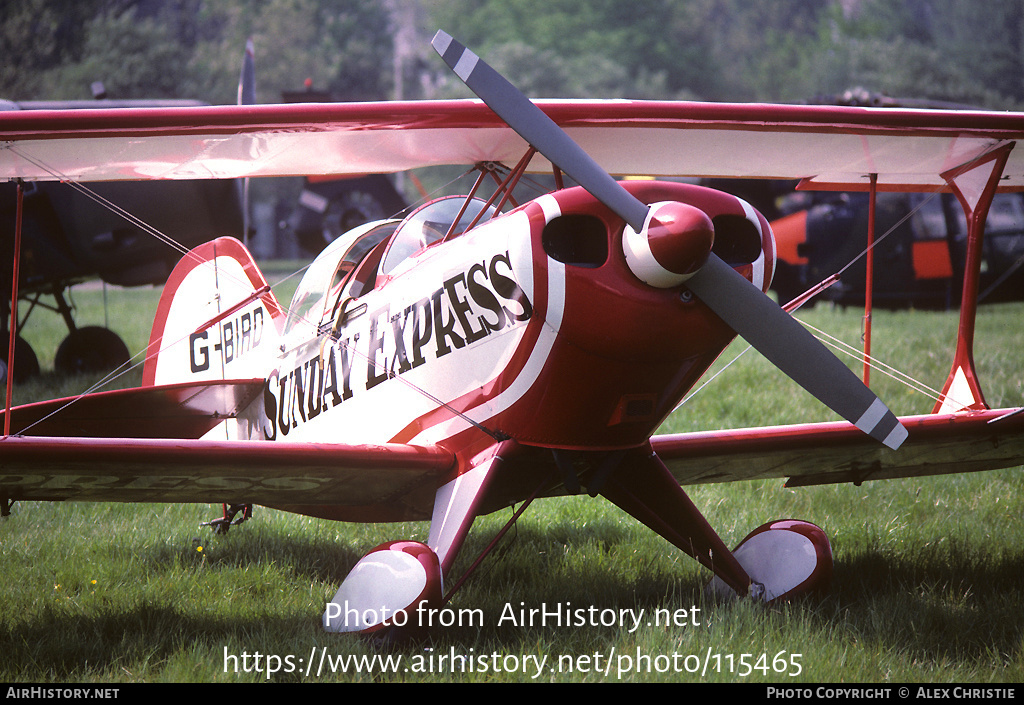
point(793, 349)
point(538, 129)
point(743, 306)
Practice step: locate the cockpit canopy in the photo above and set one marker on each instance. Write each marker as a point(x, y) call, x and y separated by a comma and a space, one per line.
point(428, 224)
point(331, 276)
point(323, 279)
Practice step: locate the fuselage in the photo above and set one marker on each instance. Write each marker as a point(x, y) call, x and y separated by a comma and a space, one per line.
point(529, 326)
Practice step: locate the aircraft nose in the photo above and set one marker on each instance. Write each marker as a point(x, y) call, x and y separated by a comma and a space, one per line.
point(674, 243)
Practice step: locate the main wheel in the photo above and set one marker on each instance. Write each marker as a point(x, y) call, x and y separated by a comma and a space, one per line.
point(26, 364)
point(90, 349)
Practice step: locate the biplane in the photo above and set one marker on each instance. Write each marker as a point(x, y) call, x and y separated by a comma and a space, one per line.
point(486, 352)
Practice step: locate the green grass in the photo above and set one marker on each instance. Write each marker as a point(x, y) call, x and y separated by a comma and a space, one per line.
point(927, 576)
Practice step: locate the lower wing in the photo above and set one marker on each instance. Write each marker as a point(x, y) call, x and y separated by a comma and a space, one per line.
point(144, 445)
point(812, 454)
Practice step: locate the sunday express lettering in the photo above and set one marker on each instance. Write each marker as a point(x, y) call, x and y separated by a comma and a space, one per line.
point(467, 308)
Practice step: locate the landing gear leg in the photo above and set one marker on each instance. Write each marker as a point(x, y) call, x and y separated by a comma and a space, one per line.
point(394, 590)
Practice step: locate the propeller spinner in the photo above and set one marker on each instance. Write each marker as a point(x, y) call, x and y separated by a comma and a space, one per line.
point(672, 240)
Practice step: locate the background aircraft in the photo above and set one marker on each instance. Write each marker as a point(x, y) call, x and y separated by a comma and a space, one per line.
point(919, 263)
point(70, 238)
point(330, 206)
point(128, 233)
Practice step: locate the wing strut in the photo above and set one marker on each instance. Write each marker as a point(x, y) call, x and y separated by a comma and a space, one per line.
point(869, 277)
point(6, 502)
point(975, 187)
point(14, 308)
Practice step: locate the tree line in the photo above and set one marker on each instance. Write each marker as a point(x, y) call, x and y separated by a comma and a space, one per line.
point(777, 50)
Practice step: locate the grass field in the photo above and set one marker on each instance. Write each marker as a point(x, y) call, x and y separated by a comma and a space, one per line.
point(927, 584)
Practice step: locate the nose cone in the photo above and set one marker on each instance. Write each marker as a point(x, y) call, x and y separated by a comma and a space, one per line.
point(674, 243)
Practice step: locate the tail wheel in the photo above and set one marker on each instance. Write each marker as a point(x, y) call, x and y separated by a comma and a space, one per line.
point(90, 349)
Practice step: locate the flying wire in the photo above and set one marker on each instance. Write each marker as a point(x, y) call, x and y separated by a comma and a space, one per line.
point(844, 347)
point(146, 354)
point(876, 364)
point(106, 203)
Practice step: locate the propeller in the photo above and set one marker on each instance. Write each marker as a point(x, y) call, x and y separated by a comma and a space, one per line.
point(740, 304)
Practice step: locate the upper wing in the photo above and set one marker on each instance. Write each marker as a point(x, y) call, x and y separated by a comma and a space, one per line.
point(811, 454)
point(142, 445)
point(828, 145)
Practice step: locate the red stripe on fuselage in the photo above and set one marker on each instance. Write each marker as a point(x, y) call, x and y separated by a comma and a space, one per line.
point(520, 358)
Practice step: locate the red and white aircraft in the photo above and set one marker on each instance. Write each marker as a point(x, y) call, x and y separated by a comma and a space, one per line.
point(477, 354)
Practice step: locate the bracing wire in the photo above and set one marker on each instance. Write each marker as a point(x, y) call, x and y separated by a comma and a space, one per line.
point(145, 354)
point(873, 362)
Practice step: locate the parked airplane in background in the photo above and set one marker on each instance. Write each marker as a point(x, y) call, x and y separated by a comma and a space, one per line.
point(71, 234)
point(71, 237)
point(919, 263)
point(482, 353)
point(329, 206)
point(922, 246)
